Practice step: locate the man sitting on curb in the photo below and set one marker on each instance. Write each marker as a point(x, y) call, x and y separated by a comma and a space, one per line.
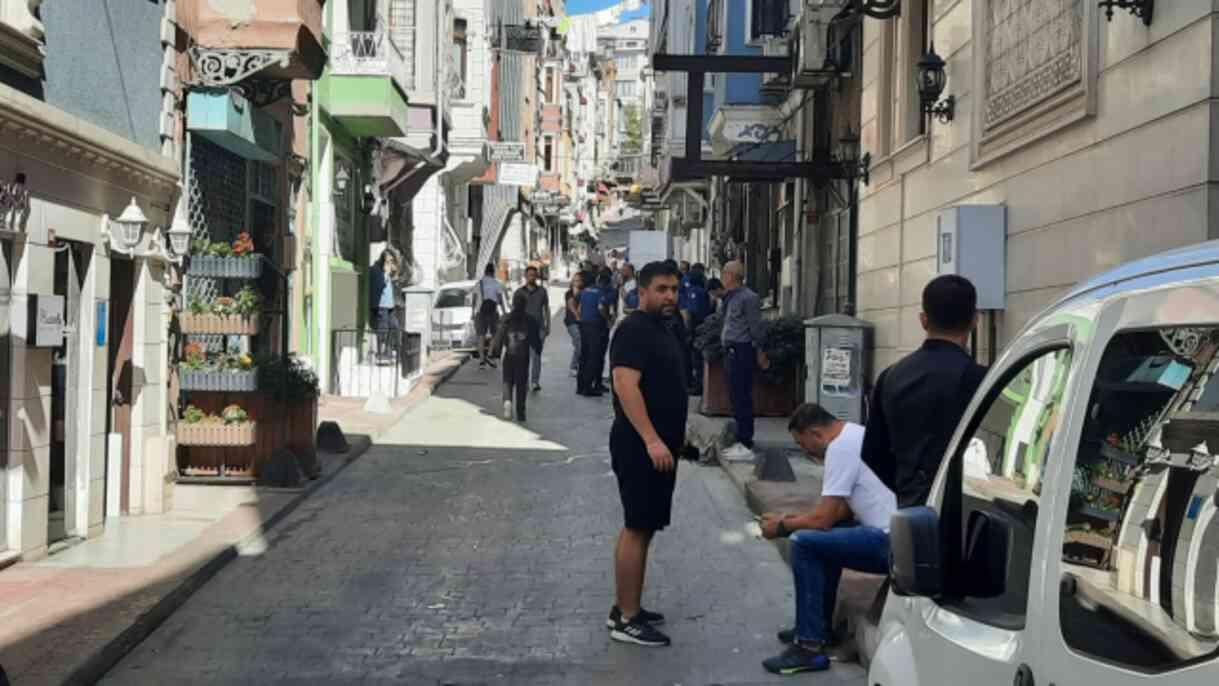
point(848, 529)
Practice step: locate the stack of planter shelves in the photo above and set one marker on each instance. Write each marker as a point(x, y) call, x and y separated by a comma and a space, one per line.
point(219, 450)
point(1110, 492)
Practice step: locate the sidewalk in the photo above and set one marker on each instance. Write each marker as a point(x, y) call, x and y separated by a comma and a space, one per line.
point(70, 617)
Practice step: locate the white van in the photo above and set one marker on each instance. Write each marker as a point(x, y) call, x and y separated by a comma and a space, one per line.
point(1076, 509)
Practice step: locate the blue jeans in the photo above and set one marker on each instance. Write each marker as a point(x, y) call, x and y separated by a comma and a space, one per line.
point(741, 359)
point(573, 330)
point(818, 558)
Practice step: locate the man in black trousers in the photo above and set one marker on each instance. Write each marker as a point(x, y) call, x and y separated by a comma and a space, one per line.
point(593, 335)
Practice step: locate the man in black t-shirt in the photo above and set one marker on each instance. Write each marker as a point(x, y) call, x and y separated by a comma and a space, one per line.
point(650, 404)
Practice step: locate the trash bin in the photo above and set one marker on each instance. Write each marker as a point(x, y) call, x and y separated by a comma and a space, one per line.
point(838, 357)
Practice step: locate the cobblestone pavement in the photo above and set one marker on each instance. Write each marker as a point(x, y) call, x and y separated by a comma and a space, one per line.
point(464, 549)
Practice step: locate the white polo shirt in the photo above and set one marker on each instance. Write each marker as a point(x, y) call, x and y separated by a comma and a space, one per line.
point(846, 476)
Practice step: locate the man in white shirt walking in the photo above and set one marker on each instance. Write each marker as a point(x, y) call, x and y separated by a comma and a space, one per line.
point(848, 529)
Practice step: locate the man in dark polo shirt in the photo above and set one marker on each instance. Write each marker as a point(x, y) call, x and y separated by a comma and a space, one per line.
point(650, 405)
point(918, 401)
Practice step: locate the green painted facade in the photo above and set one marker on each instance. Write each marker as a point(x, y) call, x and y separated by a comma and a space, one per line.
point(366, 106)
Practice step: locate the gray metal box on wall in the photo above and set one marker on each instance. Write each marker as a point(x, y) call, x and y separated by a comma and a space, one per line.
point(837, 351)
point(971, 241)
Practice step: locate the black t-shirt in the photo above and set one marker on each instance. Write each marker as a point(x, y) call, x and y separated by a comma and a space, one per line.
point(568, 317)
point(644, 342)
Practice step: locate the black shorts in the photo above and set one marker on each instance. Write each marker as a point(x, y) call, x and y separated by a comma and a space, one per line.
point(486, 320)
point(647, 495)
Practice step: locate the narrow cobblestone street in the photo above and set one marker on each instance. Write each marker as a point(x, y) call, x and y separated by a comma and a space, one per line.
point(464, 549)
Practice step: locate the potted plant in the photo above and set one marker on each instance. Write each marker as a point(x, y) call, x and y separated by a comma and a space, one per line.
point(236, 315)
point(229, 372)
point(775, 390)
point(231, 428)
point(224, 260)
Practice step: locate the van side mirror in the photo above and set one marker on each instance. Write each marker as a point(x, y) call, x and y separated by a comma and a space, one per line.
point(914, 552)
point(987, 543)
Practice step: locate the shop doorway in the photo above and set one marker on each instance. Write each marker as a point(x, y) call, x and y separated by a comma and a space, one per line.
point(120, 373)
point(71, 265)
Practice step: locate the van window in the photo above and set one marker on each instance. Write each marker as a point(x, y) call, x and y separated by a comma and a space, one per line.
point(997, 475)
point(1141, 544)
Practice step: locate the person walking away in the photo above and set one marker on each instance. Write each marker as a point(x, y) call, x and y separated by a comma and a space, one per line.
point(918, 402)
point(742, 339)
point(381, 277)
point(592, 325)
point(715, 291)
point(538, 307)
point(630, 294)
point(489, 305)
point(571, 319)
point(847, 529)
point(519, 336)
point(694, 310)
point(649, 428)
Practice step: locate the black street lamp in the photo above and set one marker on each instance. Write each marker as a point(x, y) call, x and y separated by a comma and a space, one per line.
point(931, 81)
point(1143, 9)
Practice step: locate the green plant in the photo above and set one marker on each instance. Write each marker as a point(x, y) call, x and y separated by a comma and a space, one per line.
point(248, 302)
point(783, 343)
point(193, 415)
point(707, 338)
point(288, 379)
point(233, 414)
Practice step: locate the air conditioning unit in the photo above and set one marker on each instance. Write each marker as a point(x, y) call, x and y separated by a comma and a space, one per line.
point(812, 66)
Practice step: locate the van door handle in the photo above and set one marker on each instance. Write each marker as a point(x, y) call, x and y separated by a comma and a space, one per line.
point(1024, 676)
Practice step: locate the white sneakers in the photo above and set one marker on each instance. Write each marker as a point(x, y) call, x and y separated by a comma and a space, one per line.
point(508, 409)
point(737, 452)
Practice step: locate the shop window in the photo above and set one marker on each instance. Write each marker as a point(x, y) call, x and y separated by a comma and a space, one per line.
point(1141, 540)
point(996, 476)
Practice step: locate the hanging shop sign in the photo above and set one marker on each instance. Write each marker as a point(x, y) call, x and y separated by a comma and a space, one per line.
point(517, 174)
point(46, 322)
point(506, 152)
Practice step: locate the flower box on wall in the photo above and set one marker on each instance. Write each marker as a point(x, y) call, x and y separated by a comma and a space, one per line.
point(221, 435)
point(209, 380)
point(228, 324)
point(213, 266)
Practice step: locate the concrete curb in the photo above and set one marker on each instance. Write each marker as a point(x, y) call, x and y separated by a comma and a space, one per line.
point(109, 655)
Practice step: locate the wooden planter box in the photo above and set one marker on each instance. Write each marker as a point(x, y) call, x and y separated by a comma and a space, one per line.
point(211, 266)
point(218, 434)
point(236, 381)
point(1122, 487)
point(293, 426)
point(769, 399)
point(229, 324)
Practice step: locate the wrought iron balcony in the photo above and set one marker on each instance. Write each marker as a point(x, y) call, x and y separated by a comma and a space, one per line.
point(374, 53)
point(275, 41)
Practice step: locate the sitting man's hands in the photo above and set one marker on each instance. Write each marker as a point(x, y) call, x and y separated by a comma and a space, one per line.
point(770, 524)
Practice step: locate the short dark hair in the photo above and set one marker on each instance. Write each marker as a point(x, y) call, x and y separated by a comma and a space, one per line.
point(533, 269)
point(651, 270)
point(672, 263)
point(950, 303)
point(698, 267)
point(714, 284)
point(809, 415)
point(490, 270)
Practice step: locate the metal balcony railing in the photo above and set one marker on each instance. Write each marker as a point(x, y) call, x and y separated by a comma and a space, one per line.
point(375, 53)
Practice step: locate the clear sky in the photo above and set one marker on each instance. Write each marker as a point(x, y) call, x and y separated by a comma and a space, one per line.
point(585, 6)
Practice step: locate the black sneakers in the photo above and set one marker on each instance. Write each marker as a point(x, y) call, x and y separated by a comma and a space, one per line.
point(615, 616)
point(638, 632)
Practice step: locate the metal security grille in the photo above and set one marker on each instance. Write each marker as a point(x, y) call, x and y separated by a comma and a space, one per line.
point(403, 33)
point(216, 210)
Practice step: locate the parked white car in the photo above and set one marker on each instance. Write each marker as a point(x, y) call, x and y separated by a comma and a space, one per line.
point(1072, 533)
point(453, 314)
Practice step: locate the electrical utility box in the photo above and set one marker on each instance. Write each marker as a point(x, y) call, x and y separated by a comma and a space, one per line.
point(971, 241)
point(837, 351)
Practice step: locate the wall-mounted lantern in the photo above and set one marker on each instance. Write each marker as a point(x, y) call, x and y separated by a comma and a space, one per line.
point(128, 229)
point(125, 234)
point(931, 81)
point(1143, 9)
